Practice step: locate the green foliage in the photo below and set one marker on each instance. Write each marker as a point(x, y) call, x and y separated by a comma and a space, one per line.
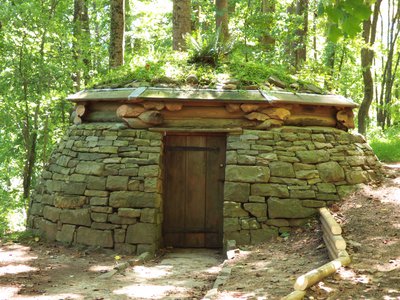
point(344, 17)
point(386, 145)
point(207, 49)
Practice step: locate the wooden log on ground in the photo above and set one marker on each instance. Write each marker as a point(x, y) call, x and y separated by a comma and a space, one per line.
point(136, 123)
point(232, 107)
point(152, 117)
point(332, 251)
point(256, 116)
point(346, 118)
point(129, 111)
point(305, 281)
point(173, 106)
point(277, 113)
point(295, 295)
point(330, 221)
point(80, 110)
point(336, 240)
point(153, 105)
point(249, 107)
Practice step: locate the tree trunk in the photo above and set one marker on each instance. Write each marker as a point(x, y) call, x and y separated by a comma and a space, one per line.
point(181, 23)
point(117, 33)
point(367, 56)
point(301, 43)
point(268, 9)
point(128, 28)
point(221, 18)
point(81, 52)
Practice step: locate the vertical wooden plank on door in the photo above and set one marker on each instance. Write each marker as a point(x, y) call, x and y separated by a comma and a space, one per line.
point(195, 195)
point(214, 190)
point(174, 191)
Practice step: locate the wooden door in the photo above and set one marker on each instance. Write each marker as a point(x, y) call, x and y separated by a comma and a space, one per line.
point(193, 190)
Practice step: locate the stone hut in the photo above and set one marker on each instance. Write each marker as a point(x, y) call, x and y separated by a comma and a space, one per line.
point(147, 168)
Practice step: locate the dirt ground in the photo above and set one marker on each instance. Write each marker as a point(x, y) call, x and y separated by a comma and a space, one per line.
point(371, 225)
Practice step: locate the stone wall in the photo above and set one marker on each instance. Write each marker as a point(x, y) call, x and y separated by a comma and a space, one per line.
point(103, 184)
point(102, 187)
point(275, 179)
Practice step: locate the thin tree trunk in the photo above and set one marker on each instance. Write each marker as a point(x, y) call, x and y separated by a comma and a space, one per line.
point(181, 23)
point(367, 56)
point(301, 44)
point(221, 18)
point(268, 9)
point(117, 33)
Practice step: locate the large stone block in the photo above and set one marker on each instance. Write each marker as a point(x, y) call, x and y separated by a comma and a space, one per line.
point(66, 234)
point(135, 199)
point(281, 169)
point(117, 183)
point(270, 189)
point(331, 172)
point(92, 237)
point(76, 216)
point(149, 171)
point(142, 233)
point(47, 229)
point(129, 212)
point(302, 194)
point(74, 188)
point(288, 208)
point(51, 213)
point(262, 235)
point(69, 201)
point(149, 215)
point(236, 191)
point(231, 224)
point(96, 183)
point(313, 156)
point(256, 209)
point(241, 237)
point(234, 209)
point(356, 176)
point(115, 219)
point(90, 168)
point(247, 173)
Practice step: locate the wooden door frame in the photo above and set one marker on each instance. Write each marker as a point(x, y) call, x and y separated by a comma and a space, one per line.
point(220, 196)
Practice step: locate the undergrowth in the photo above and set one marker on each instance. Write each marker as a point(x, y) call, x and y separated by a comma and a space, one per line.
point(386, 145)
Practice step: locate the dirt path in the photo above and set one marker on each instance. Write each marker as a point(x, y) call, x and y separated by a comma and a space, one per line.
point(371, 224)
point(44, 272)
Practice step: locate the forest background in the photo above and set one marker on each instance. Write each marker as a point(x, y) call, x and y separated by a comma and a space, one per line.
point(52, 48)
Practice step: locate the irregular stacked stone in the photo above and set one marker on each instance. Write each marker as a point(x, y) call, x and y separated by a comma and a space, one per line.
point(102, 187)
point(276, 179)
point(103, 184)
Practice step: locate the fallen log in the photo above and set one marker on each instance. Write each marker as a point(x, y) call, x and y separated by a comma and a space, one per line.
point(295, 295)
point(330, 222)
point(305, 281)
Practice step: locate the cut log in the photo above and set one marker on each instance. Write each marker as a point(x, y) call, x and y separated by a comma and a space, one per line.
point(153, 105)
point(152, 117)
point(329, 221)
point(77, 120)
point(256, 116)
point(295, 295)
point(277, 113)
point(310, 120)
point(249, 107)
point(173, 106)
point(129, 111)
point(101, 116)
point(305, 281)
point(209, 123)
point(136, 123)
point(80, 110)
point(232, 107)
point(336, 240)
point(270, 124)
point(346, 118)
